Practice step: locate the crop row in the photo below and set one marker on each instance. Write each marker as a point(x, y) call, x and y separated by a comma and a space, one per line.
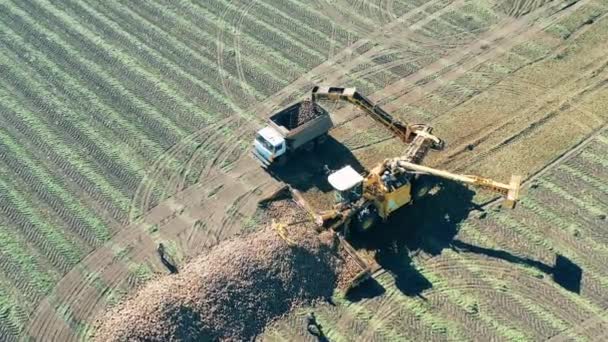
point(176, 63)
point(60, 118)
point(61, 249)
point(86, 43)
point(74, 214)
point(88, 79)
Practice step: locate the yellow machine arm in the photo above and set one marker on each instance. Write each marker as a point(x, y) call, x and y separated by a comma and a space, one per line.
point(511, 190)
point(405, 132)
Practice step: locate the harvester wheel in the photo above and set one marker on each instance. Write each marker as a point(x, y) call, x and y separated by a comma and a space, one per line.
point(423, 184)
point(366, 218)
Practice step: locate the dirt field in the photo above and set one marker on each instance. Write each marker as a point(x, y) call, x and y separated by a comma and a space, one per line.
point(128, 124)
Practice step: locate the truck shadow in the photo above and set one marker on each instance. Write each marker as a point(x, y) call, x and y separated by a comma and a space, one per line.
point(306, 170)
point(429, 226)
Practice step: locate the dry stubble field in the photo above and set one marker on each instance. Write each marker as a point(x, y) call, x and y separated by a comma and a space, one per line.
point(127, 123)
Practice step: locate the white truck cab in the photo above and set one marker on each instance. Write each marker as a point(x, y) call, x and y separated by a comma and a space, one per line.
point(269, 144)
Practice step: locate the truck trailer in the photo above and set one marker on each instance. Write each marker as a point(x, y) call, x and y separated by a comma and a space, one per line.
point(302, 126)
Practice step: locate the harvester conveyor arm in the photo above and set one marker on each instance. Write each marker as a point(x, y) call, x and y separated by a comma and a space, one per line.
point(511, 190)
point(402, 130)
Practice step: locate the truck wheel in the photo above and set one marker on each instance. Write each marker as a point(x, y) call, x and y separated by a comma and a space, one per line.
point(321, 139)
point(366, 218)
point(281, 161)
point(309, 146)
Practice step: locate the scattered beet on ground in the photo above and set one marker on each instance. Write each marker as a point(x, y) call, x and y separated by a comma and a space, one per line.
point(233, 291)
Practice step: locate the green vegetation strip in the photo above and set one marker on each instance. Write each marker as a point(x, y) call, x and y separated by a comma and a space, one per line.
point(95, 225)
point(420, 309)
point(529, 303)
point(17, 201)
point(16, 249)
point(12, 315)
point(92, 68)
point(547, 214)
point(133, 63)
point(166, 62)
point(469, 302)
point(561, 192)
point(170, 17)
point(75, 159)
point(117, 151)
point(362, 313)
point(250, 41)
point(602, 161)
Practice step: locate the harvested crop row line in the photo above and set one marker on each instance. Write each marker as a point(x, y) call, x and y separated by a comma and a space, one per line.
point(69, 135)
point(120, 63)
point(553, 242)
point(74, 214)
point(91, 38)
point(157, 17)
point(76, 131)
point(554, 307)
point(155, 43)
point(570, 300)
point(28, 274)
point(352, 18)
point(295, 23)
point(318, 18)
point(42, 60)
point(559, 190)
point(91, 98)
point(62, 53)
point(63, 252)
point(469, 294)
point(107, 116)
point(579, 232)
point(205, 46)
point(592, 162)
point(574, 173)
point(13, 314)
point(65, 158)
point(369, 316)
point(282, 40)
point(274, 61)
point(420, 309)
point(291, 25)
point(519, 307)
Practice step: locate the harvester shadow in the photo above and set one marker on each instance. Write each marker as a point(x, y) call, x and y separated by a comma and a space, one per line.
point(565, 273)
point(307, 170)
point(428, 225)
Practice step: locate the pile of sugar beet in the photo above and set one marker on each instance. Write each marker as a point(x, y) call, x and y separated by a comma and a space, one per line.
point(306, 112)
point(232, 292)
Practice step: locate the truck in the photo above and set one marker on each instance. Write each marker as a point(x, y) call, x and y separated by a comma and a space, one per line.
point(301, 126)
